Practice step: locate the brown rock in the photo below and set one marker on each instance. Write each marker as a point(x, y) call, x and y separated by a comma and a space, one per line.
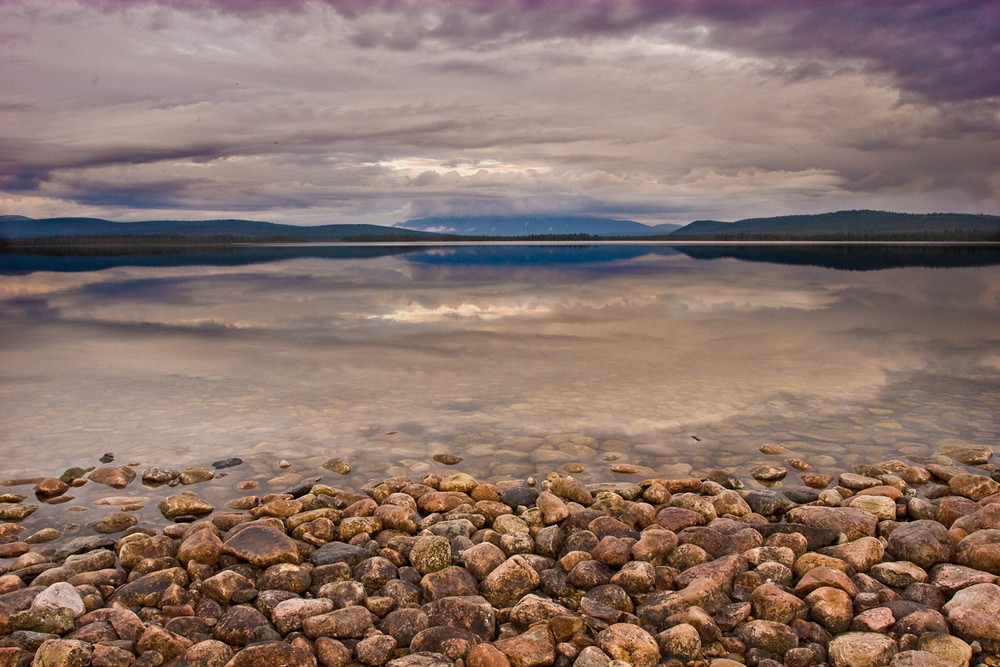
point(630, 643)
point(486, 655)
point(771, 603)
point(831, 607)
point(972, 613)
point(772, 637)
point(117, 477)
point(534, 648)
point(262, 545)
point(922, 542)
point(509, 581)
point(862, 649)
point(854, 523)
point(273, 653)
point(473, 613)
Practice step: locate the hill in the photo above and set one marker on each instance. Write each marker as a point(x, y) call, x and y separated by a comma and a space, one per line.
point(17, 227)
point(850, 225)
point(534, 225)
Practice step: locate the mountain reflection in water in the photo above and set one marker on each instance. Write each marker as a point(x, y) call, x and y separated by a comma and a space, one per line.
point(846, 257)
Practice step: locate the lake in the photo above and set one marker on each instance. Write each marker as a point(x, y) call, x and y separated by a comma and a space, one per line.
point(618, 361)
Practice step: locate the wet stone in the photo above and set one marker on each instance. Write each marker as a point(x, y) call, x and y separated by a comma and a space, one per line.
point(117, 477)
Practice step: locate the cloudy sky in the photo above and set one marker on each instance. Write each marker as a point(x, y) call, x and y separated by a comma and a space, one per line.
point(382, 110)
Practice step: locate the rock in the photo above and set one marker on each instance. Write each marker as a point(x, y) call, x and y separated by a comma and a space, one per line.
point(630, 643)
point(951, 650)
point(879, 619)
point(157, 475)
point(854, 523)
point(15, 511)
point(241, 625)
point(431, 553)
point(831, 607)
point(767, 472)
point(421, 660)
point(591, 656)
point(770, 636)
point(552, 507)
point(950, 578)
point(289, 614)
point(856, 482)
point(375, 650)
point(486, 655)
point(117, 477)
point(63, 653)
point(483, 558)
point(972, 613)
point(967, 454)
point(535, 647)
point(681, 642)
point(338, 465)
point(451, 581)
point(509, 581)
point(207, 653)
point(273, 653)
point(404, 624)
point(973, 487)
point(60, 595)
point(184, 505)
point(916, 659)
point(771, 603)
point(147, 589)
point(50, 487)
point(861, 649)
point(230, 462)
point(898, 574)
point(768, 503)
point(454, 643)
point(195, 475)
point(339, 552)
point(168, 644)
point(861, 554)
point(202, 546)
point(882, 507)
point(262, 545)
point(922, 542)
point(222, 586)
point(472, 613)
point(824, 576)
point(349, 622)
point(115, 523)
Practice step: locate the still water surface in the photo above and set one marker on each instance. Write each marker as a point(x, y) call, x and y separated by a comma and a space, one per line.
point(521, 359)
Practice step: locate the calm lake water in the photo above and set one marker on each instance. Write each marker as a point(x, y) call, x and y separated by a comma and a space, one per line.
point(521, 359)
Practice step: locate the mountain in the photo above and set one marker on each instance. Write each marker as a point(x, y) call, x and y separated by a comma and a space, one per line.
point(860, 225)
point(534, 225)
point(20, 227)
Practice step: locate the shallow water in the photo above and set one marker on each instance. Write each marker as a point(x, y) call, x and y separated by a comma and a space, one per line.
point(521, 359)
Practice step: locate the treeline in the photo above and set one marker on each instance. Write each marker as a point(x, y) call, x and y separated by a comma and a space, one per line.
point(947, 236)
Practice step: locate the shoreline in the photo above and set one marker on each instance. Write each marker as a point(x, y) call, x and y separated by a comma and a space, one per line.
point(891, 563)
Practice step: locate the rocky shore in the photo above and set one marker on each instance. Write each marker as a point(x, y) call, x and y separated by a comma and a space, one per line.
point(893, 563)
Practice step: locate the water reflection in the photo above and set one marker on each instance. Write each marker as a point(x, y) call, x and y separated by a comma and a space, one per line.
point(651, 357)
point(848, 257)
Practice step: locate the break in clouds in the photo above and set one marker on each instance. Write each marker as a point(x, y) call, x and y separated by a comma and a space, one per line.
point(357, 111)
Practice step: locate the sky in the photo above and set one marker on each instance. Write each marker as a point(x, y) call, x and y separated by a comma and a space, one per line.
point(379, 111)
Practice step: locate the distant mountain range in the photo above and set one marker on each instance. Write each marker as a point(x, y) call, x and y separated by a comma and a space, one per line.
point(859, 225)
point(842, 225)
point(534, 225)
point(20, 227)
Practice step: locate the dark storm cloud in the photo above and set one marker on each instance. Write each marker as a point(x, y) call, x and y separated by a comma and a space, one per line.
point(940, 50)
